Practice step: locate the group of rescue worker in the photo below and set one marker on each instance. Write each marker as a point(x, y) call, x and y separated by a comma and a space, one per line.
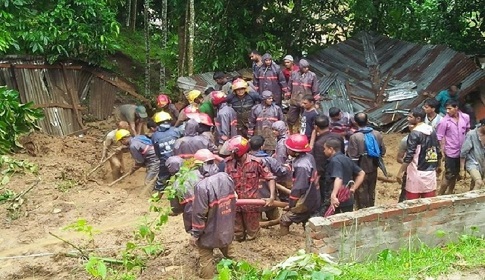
point(248, 161)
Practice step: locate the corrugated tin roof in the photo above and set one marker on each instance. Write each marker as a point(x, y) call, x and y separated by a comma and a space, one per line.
point(355, 62)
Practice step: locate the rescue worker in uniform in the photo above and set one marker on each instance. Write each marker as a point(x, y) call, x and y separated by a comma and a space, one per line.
point(280, 131)
point(226, 119)
point(142, 151)
point(279, 170)
point(213, 214)
point(186, 146)
point(195, 99)
point(242, 100)
point(116, 162)
point(182, 203)
point(305, 195)
point(301, 82)
point(165, 105)
point(262, 118)
point(205, 125)
point(270, 77)
point(163, 140)
point(247, 170)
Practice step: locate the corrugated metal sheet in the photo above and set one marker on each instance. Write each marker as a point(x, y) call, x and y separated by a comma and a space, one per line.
point(48, 86)
point(356, 61)
point(203, 81)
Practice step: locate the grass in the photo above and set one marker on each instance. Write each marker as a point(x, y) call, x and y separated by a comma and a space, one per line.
point(465, 255)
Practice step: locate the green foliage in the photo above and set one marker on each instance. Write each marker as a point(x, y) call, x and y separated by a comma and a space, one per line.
point(421, 262)
point(7, 195)
point(10, 166)
point(82, 29)
point(82, 226)
point(15, 119)
point(298, 267)
point(96, 268)
point(184, 174)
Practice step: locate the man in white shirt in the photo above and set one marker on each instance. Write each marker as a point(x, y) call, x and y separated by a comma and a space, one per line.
point(432, 118)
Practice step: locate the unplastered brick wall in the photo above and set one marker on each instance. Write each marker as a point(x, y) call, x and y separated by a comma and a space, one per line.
point(363, 234)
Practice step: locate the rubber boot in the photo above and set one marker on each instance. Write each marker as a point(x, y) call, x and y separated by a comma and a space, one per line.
point(284, 230)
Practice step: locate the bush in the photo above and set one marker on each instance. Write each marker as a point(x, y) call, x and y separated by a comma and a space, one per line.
point(15, 119)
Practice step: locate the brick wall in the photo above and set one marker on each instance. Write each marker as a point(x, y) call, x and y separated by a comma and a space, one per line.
point(362, 234)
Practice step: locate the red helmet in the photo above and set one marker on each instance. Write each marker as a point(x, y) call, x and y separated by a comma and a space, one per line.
point(202, 118)
point(162, 100)
point(218, 97)
point(191, 109)
point(298, 143)
point(203, 155)
point(237, 144)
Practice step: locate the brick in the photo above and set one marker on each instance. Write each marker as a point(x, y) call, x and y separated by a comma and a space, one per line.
point(430, 213)
point(342, 223)
point(441, 204)
point(480, 199)
point(465, 200)
point(327, 250)
point(368, 218)
point(393, 212)
point(416, 208)
point(409, 217)
point(317, 235)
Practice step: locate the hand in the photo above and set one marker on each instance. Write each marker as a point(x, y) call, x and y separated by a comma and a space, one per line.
point(462, 175)
point(478, 184)
point(193, 241)
point(352, 190)
point(269, 202)
point(316, 97)
point(399, 178)
point(334, 201)
point(287, 208)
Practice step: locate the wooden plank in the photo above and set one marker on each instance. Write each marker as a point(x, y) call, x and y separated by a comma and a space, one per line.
point(73, 99)
point(39, 66)
point(58, 105)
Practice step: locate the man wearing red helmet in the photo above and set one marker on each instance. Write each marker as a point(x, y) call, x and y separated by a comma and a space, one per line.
point(247, 171)
point(304, 196)
point(226, 119)
point(213, 212)
point(188, 145)
point(165, 104)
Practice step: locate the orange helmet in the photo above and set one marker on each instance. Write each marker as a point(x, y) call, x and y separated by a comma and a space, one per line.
point(218, 97)
point(162, 100)
point(237, 145)
point(298, 143)
point(239, 83)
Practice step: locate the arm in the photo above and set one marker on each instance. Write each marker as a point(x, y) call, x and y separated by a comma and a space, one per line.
point(315, 89)
point(279, 113)
point(252, 120)
point(337, 183)
point(358, 181)
point(133, 128)
point(465, 150)
point(353, 148)
point(412, 145)
point(312, 138)
point(224, 127)
point(266, 174)
point(282, 81)
point(301, 182)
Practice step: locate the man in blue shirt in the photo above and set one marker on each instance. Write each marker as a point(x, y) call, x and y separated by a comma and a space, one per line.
point(445, 95)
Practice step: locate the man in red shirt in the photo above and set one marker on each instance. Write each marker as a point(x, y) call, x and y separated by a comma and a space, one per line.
point(246, 171)
point(290, 66)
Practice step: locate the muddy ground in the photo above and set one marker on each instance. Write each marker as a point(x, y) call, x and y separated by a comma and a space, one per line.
point(62, 197)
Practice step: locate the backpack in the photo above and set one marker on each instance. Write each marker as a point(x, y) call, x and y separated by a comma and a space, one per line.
point(371, 145)
point(144, 139)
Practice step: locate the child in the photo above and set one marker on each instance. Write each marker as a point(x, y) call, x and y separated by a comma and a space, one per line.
point(308, 115)
point(432, 118)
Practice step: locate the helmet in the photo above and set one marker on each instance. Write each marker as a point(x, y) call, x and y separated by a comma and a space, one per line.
point(237, 144)
point(203, 155)
point(162, 100)
point(218, 97)
point(121, 133)
point(162, 117)
point(239, 83)
point(298, 143)
point(190, 109)
point(202, 118)
point(193, 95)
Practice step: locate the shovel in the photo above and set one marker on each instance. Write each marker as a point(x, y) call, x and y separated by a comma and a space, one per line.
point(101, 164)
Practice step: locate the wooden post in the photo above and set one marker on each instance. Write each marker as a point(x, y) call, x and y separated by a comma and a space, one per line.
point(73, 99)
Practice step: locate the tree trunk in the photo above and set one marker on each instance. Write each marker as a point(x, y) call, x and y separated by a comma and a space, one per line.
point(164, 43)
point(133, 15)
point(182, 37)
point(128, 14)
point(147, 46)
point(190, 47)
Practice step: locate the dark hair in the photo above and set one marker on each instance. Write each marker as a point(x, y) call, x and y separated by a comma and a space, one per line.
point(431, 102)
point(201, 128)
point(322, 121)
point(458, 85)
point(360, 119)
point(209, 90)
point(333, 112)
point(451, 102)
point(256, 52)
point(418, 112)
point(334, 143)
point(308, 97)
point(151, 124)
point(256, 142)
point(218, 75)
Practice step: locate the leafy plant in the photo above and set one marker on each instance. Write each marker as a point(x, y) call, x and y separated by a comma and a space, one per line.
point(82, 226)
point(9, 166)
point(7, 195)
point(66, 185)
point(15, 119)
point(298, 267)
